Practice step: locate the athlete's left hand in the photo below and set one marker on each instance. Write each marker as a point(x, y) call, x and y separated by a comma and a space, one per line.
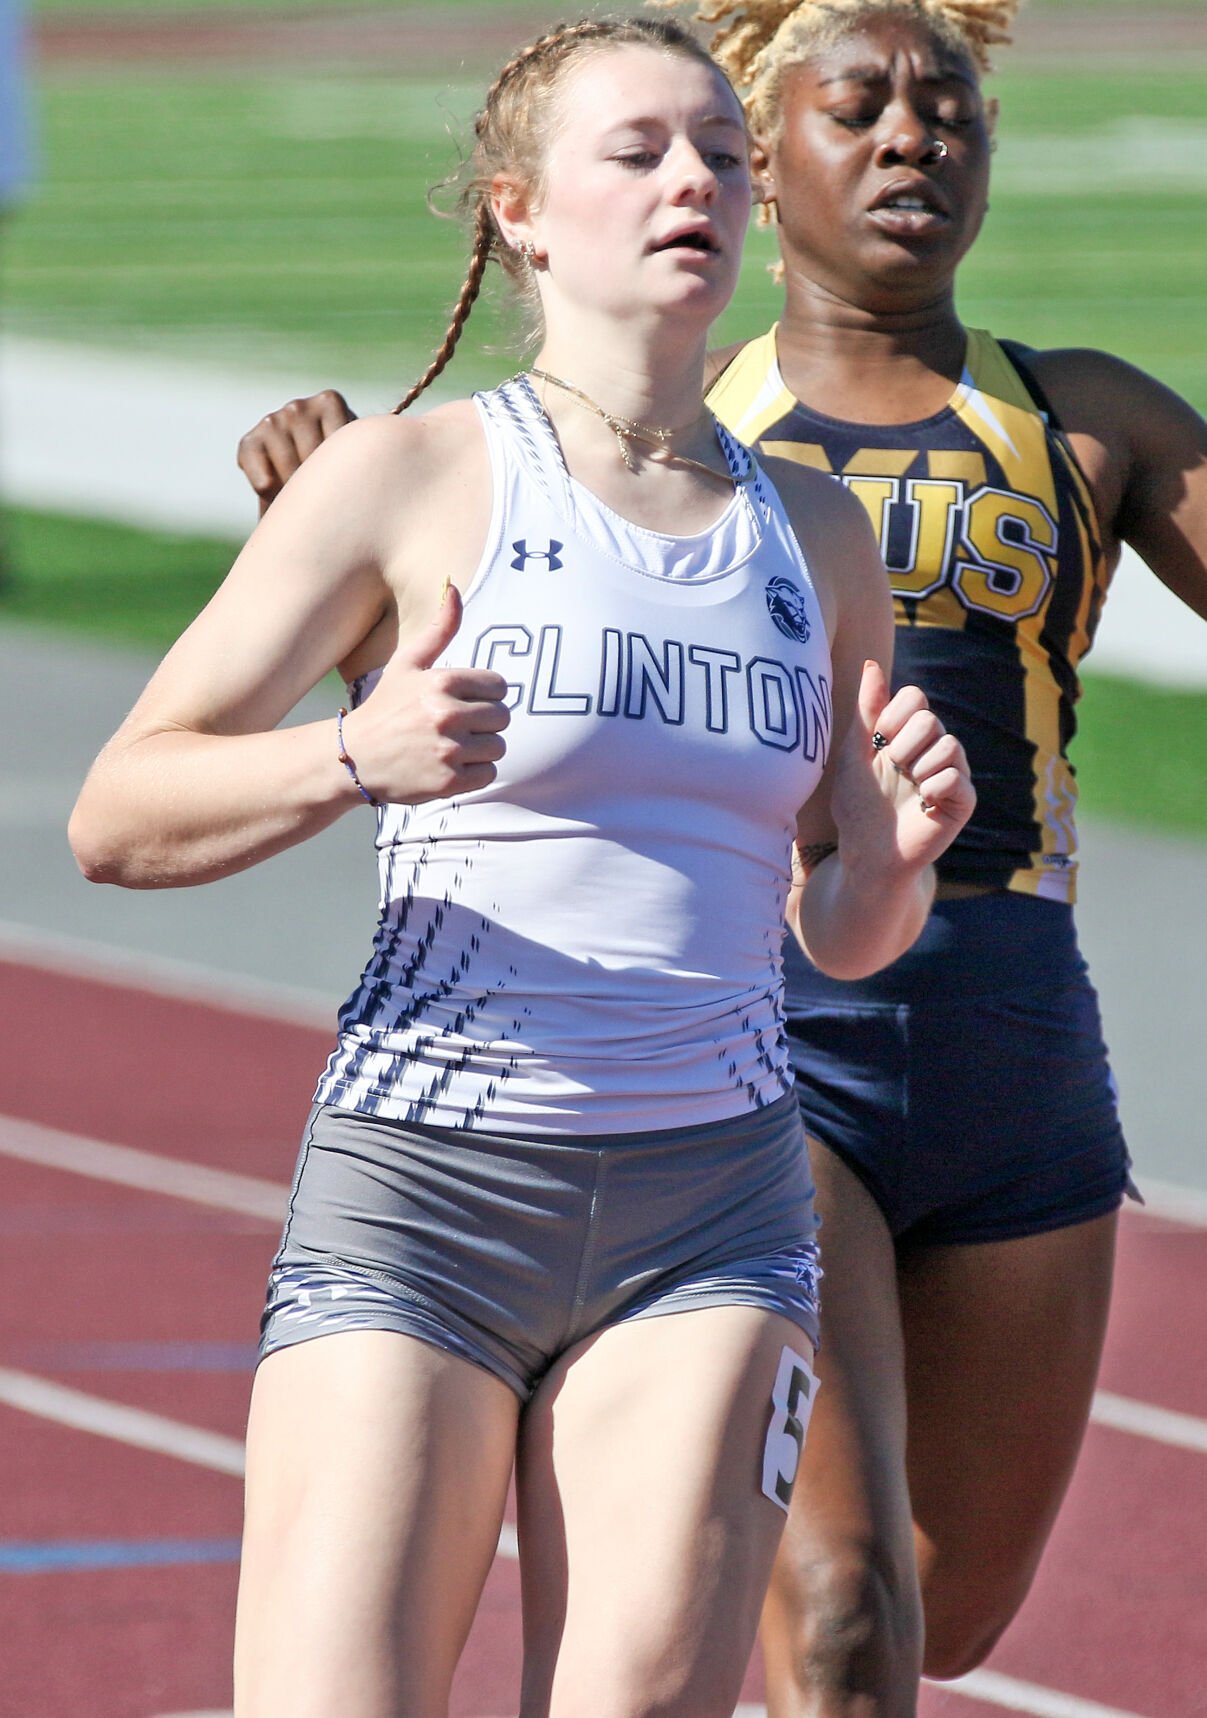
point(902, 788)
point(273, 449)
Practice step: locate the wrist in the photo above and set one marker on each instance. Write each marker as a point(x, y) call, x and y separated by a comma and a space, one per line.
point(349, 763)
point(877, 875)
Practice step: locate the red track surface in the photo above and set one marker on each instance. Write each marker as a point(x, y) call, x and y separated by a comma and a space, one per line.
point(1119, 1614)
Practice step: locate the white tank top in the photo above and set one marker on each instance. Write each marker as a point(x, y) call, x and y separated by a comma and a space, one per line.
point(591, 944)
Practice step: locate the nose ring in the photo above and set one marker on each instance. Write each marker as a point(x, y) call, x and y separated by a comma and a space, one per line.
point(937, 149)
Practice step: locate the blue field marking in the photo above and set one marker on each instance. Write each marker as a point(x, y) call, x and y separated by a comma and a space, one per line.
point(40, 1557)
point(107, 1356)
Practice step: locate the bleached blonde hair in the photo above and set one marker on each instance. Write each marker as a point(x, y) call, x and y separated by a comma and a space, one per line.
point(756, 41)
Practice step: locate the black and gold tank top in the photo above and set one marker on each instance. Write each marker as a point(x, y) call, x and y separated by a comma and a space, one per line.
point(988, 530)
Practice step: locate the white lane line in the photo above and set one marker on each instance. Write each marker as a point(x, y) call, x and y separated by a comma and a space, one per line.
point(146, 1170)
point(985, 1685)
point(1163, 1425)
point(161, 975)
point(186, 981)
point(1008, 1692)
point(1029, 1697)
point(252, 1197)
point(50, 1401)
point(145, 1431)
point(1178, 1204)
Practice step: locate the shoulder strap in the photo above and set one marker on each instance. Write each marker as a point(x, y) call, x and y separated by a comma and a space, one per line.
point(528, 445)
point(749, 394)
point(1018, 355)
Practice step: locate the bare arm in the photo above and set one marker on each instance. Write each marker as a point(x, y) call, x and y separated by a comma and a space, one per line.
point(1163, 514)
point(198, 782)
point(1144, 450)
point(883, 812)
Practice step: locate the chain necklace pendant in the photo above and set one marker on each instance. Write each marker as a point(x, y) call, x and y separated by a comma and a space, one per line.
point(627, 430)
point(626, 452)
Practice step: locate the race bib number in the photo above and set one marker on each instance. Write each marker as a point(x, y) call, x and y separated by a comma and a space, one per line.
point(791, 1405)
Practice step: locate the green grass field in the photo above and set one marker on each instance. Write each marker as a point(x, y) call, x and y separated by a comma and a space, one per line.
point(1139, 751)
point(70, 8)
point(279, 217)
point(268, 216)
point(55, 8)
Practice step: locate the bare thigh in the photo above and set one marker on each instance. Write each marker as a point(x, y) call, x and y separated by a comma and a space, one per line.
point(645, 1537)
point(377, 1470)
point(1003, 1341)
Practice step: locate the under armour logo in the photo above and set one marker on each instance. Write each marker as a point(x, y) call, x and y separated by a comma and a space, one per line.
point(523, 553)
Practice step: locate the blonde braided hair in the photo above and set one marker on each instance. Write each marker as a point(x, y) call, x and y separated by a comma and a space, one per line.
point(757, 40)
point(511, 136)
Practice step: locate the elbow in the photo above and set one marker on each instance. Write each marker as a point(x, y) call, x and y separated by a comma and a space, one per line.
point(118, 831)
point(101, 853)
point(846, 972)
point(98, 860)
point(838, 964)
point(857, 956)
point(91, 833)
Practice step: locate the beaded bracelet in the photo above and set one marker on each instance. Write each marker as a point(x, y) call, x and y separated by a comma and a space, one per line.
point(346, 760)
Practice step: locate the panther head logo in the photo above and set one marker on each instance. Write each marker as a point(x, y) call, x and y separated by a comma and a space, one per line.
point(786, 606)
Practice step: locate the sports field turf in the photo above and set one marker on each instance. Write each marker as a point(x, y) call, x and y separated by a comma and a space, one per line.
point(262, 215)
point(1138, 754)
point(279, 216)
point(58, 8)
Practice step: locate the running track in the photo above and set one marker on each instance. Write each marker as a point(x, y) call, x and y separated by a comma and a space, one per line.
point(137, 1219)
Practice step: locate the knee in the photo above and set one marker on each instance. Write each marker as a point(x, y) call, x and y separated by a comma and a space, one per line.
point(843, 1624)
point(970, 1601)
point(962, 1633)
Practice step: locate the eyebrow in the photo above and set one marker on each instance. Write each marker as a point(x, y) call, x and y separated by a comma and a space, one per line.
point(638, 121)
point(877, 74)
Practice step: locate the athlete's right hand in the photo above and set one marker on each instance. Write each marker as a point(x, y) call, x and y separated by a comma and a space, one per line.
point(272, 450)
point(424, 732)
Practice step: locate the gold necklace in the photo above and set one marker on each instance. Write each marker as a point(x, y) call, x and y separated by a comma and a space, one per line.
point(628, 429)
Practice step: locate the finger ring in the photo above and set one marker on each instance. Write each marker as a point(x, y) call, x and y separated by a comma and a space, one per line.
point(878, 741)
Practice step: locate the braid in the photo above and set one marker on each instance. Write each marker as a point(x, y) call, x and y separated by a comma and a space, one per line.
point(756, 40)
point(511, 137)
point(485, 234)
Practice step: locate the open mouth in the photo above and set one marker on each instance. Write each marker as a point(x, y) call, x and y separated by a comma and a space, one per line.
point(906, 215)
point(909, 206)
point(909, 203)
point(696, 241)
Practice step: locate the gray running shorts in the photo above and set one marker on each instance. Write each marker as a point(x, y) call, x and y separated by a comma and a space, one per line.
point(508, 1249)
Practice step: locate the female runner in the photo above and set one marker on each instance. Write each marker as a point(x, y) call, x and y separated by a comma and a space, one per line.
point(970, 1161)
point(596, 679)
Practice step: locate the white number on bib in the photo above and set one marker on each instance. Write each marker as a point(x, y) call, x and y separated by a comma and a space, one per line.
point(791, 1405)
